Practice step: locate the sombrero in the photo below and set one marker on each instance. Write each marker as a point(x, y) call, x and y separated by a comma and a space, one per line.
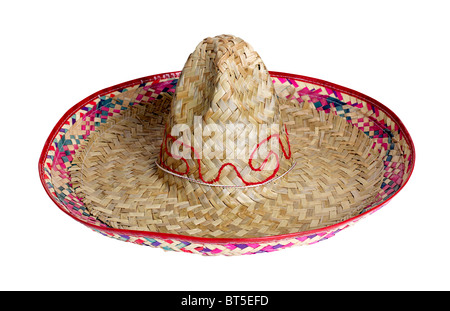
point(225, 157)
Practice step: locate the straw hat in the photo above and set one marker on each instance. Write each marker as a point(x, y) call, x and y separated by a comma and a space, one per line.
point(225, 157)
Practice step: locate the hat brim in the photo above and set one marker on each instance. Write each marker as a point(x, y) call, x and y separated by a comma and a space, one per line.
point(375, 125)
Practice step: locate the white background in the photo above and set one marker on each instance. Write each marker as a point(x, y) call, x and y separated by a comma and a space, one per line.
point(55, 53)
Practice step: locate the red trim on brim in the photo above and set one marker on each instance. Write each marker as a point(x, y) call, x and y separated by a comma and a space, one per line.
point(193, 239)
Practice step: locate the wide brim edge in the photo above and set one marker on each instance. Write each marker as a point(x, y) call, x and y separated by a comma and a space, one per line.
point(194, 239)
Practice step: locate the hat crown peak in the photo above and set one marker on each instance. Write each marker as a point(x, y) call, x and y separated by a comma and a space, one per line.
point(225, 75)
point(226, 103)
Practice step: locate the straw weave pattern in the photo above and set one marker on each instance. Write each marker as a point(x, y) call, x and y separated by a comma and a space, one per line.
point(351, 156)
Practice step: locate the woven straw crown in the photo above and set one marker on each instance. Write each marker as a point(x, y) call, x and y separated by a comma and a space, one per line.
point(225, 89)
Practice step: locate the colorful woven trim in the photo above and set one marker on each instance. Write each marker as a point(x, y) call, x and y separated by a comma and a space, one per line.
point(227, 248)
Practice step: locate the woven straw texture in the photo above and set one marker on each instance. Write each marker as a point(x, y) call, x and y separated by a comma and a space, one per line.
point(224, 81)
point(347, 158)
point(335, 177)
